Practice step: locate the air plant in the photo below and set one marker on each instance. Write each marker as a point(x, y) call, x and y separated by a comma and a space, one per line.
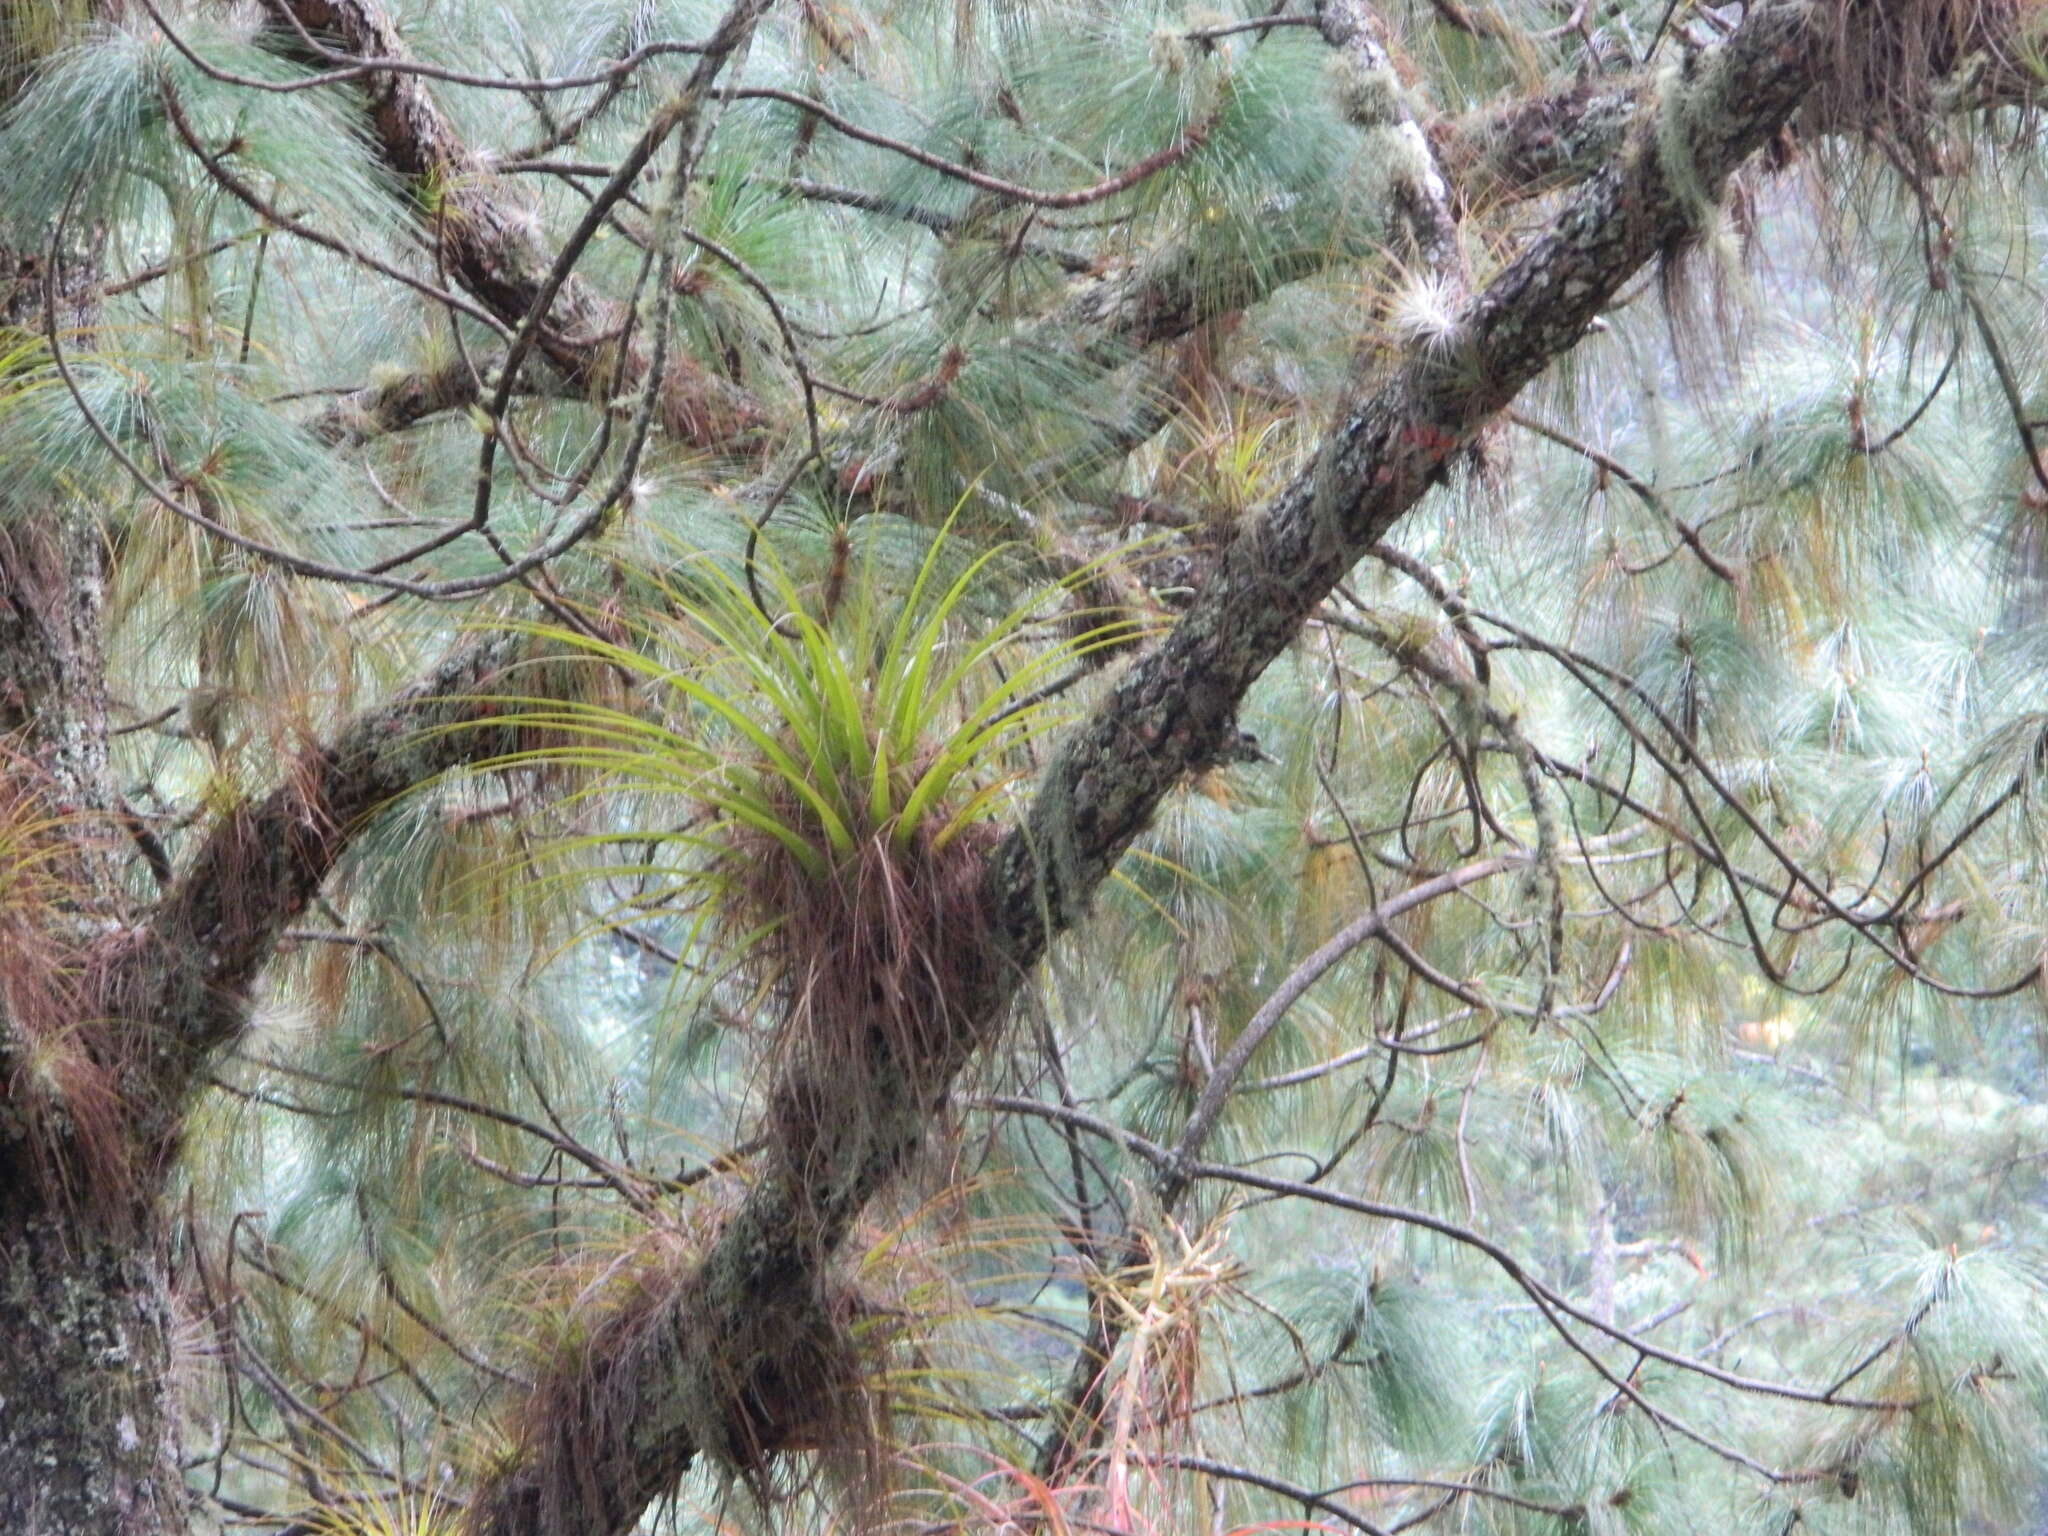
point(402, 1514)
point(839, 754)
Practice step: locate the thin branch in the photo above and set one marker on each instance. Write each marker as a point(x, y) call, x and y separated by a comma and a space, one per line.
point(1191, 138)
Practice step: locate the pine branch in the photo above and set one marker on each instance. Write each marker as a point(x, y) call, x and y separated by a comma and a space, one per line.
point(487, 244)
point(733, 1326)
point(1173, 711)
point(264, 861)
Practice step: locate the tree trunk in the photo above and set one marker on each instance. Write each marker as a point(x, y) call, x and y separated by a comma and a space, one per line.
point(88, 1442)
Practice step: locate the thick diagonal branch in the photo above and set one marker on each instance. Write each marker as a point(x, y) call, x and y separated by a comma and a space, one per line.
point(492, 247)
point(1171, 713)
point(264, 861)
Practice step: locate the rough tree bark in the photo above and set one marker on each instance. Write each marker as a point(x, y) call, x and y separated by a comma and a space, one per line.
point(88, 1431)
point(110, 1001)
point(108, 1013)
point(88, 1437)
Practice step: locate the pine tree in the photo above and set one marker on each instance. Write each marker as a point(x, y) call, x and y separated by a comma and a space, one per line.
point(1063, 766)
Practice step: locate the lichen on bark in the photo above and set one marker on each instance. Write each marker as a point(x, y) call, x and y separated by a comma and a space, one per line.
point(88, 1427)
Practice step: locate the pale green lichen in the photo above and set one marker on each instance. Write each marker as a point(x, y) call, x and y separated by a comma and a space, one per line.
point(1367, 95)
point(1674, 123)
